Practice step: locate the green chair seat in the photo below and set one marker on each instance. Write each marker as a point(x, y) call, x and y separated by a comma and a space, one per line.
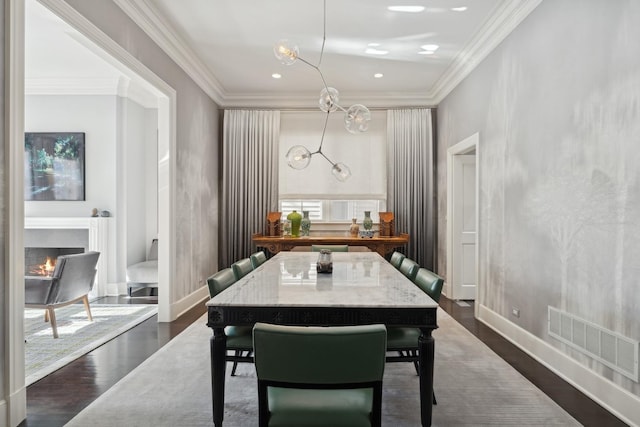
point(402, 338)
point(239, 337)
point(319, 408)
point(332, 248)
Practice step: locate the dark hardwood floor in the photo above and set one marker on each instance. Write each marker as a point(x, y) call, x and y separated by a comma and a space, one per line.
point(54, 400)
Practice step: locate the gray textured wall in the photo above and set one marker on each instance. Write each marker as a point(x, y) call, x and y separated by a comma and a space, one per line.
point(3, 220)
point(557, 106)
point(196, 192)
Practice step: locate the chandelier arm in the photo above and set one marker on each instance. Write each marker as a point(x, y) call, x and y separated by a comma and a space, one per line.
point(324, 129)
point(317, 68)
point(323, 155)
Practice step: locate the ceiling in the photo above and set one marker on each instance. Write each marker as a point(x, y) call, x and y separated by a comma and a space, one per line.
point(227, 47)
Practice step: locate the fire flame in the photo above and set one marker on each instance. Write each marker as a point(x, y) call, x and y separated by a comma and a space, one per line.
point(45, 269)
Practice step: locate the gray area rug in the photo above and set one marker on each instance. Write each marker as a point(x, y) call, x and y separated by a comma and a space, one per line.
point(474, 387)
point(77, 335)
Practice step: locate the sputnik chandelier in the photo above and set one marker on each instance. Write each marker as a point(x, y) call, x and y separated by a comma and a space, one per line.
point(356, 117)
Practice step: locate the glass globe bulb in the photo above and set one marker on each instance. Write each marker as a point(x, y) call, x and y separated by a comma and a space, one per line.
point(357, 118)
point(329, 97)
point(298, 157)
point(341, 172)
point(285, 52)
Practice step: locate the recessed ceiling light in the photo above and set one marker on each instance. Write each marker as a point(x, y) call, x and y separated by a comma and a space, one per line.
point(459, 9)
point(378, 75)
point(373, 44)
point(408, 9)
point(372, 51)
point(430, 47)
point(426, 52)
point(276, 75)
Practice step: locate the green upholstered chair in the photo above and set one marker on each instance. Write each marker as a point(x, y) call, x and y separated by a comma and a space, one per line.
point(409, 268)
point(332, 248)
point(239, 339)
point(242, 267)
point(430, 283)
point(316, 385)
point(404, 340)
point(257, 259)
point(396, 259)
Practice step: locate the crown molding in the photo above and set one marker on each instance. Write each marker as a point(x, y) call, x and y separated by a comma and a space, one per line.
point(117, 86)
point(147, 17)
point(508, 15)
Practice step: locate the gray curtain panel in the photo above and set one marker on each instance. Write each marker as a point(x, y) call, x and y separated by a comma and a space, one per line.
point(411, 181)
point(249, 179)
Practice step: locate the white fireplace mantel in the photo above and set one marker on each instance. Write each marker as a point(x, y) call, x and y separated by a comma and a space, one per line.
point(98, 229)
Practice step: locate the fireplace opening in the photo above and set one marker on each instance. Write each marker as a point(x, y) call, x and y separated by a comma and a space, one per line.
point(42, 261)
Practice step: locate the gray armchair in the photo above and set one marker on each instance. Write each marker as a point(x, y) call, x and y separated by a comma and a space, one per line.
point(72, 280)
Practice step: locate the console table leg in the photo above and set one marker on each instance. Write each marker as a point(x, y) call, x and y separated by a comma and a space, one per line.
point(218, 344)
point(426, 346)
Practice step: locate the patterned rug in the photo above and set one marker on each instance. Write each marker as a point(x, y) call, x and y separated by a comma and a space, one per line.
point(77, 335)
point(474, 388)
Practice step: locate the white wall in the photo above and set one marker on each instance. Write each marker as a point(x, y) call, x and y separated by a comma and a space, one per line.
point(120, 168)
point(96, 117)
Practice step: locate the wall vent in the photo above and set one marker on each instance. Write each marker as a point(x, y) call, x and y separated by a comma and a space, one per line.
point(612, 349)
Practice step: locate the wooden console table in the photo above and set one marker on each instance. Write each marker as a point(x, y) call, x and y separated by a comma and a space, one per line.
point(381, 245)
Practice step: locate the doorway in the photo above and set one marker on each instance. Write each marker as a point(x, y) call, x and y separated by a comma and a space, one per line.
point(462, 219)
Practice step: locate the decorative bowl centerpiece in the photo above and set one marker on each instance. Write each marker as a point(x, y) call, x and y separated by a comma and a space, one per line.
point(324, 263)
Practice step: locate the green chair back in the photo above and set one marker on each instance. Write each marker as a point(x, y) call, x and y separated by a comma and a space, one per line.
point(409, 268)
point(220, 281)
point(241, 268)
point(430, 283)
point(396, 259)
point(332, 248)
point(257, 259)
point(331, 375)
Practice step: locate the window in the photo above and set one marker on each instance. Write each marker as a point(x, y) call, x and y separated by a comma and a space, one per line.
point(339, 211)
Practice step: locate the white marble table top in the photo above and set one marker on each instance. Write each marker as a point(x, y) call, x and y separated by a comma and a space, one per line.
point(359, 279)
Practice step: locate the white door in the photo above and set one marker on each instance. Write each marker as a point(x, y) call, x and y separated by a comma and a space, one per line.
point(463, 281)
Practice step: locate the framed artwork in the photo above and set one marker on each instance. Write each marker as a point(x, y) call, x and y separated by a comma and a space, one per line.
point(54, 166)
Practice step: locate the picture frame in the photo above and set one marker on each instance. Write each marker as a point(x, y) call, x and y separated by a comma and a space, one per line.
point(54, 166)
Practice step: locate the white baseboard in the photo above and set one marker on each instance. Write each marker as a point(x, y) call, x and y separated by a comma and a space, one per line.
point(13, 410)
point(612, 397)
point(200, 296)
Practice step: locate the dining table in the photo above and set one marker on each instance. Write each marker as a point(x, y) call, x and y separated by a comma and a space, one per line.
point(362, 288)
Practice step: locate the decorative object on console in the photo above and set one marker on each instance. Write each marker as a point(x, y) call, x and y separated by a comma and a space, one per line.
point(305, 224)
point(295, 219)
point(105, 214)
point(367, 223)
point(273, 223)
point(94, 212)
point(54, 163)
point(387, 224)
point(356, 117)
point(354, 228)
